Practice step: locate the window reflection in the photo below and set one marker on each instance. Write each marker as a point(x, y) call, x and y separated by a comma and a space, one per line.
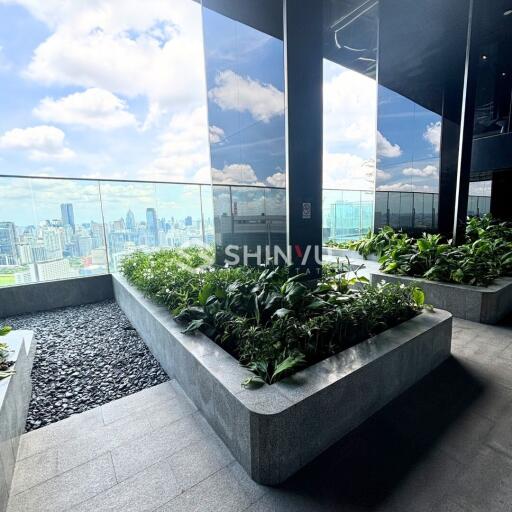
point(245, 83)
point(408, 148)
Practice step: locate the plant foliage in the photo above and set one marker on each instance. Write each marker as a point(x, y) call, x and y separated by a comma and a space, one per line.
point(485, 255)
point(274, 323)
point(4, 352)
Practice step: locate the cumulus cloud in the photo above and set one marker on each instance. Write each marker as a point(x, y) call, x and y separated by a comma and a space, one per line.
point(183, 151)
point(347, 171)
point(277, 179)
point(350, 103)
point(425, 172)
point(432, 134)
point(154, 52)
point(95, 108)
point(243, 94)
point(406, 187)
point(383, 175)
point(42, 142)
point(216, 134)
point(385, 148)
point(235, 174)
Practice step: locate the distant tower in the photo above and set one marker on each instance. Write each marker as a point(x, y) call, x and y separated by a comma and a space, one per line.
point(130, 221)
point(8, 254)
point(152, 226)
point(67, 215)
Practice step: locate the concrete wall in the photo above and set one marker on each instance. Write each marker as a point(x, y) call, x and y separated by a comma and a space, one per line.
point(29, 298)
point(15, 393)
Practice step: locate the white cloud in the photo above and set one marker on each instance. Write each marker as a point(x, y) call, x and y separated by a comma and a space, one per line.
point(95, 108)
point(427, 171)
point(432, 134)
point(183, 151)
point(347, 171)
point(385, 148)
point(406, 187)
point(243, 94)
point(383, 175)
point(277, 179)
point(235, 174)
point(350, 105)
point(42, 142)
point(216, 134)
point(153, 52)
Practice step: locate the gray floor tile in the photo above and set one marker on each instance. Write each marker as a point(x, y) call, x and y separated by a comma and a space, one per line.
point(100, 441)
point(66, 490)
point(55, 434)
point(198, 461)
point(147, 490)
point(34, 470)
point(228, 490)
point(128, 405)
point(486, 484)
point(169, 411)
point(134, 456)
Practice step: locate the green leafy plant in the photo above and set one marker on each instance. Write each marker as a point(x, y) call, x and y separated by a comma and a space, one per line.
point(274, 323)
point(4, 352)
point(485, 255)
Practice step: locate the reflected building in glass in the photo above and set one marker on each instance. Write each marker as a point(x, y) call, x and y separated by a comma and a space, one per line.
point(245, 94)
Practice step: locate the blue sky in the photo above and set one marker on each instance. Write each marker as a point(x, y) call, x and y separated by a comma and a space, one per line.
point(105, 89)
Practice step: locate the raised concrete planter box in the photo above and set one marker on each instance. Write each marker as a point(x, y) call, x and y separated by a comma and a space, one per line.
point(29, 298)
point(275, 430)
point(15, 392)
point(487, 305)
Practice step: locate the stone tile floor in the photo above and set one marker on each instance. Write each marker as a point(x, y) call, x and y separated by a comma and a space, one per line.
point(443, 446)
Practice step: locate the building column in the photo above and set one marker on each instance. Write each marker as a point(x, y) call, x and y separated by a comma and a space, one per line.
point(501, 204)
point(450, 135)
point(303, 59)
point(467, 121)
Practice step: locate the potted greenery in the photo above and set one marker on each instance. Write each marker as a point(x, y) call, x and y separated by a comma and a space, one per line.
point(4, 352)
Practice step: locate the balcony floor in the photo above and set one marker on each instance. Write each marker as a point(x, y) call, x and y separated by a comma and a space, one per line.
point(443, 446)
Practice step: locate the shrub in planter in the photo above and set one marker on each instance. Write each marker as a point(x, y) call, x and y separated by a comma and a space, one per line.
point(485, 256)
point(4, 352)
point(272, 322)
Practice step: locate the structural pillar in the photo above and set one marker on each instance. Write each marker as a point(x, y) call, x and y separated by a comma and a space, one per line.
point(303, 61)
point(501, 204)
point(467, 121)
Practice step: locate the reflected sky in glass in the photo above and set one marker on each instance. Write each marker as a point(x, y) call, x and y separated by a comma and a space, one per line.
point(408, 145)
point(245, 84)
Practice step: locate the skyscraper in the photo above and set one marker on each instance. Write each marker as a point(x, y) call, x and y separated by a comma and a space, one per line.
point(130, 221)
point(68, 217)
point(152, 226)
point(8, 255)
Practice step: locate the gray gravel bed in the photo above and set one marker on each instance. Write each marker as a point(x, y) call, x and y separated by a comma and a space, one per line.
point(86, 356)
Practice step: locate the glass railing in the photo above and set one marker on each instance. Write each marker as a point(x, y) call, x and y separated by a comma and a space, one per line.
point(56, 228)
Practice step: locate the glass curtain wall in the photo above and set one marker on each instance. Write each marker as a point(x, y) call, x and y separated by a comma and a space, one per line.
point(349, 119)
point(245, 94)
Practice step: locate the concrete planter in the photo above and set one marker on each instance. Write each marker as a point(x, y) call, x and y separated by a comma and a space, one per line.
point(29, 298)
point(487, 305)
point(15, 392)
point(275, 430)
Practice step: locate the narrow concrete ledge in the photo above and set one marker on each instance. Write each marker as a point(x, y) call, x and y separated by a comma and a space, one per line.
point(487, 305)
point(275, 430)
point(15, 392)
point(29, 298)
point(346, 253)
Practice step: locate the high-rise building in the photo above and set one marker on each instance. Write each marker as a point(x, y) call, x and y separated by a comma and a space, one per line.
point(52, 243)
point(68, 216)
point(8, 254)
point(152, 226)
point(130, 221)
